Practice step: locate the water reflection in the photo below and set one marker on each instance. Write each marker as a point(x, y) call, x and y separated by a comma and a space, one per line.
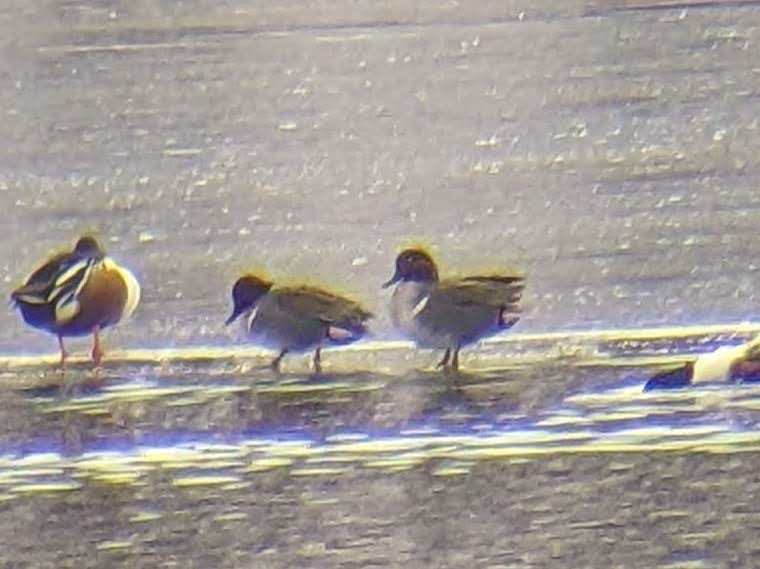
point(214, 422)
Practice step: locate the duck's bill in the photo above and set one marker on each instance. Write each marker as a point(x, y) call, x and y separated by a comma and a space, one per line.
point(233, 317)
point(394, 279)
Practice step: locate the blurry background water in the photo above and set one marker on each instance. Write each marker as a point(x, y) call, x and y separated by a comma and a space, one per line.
point(609, 149)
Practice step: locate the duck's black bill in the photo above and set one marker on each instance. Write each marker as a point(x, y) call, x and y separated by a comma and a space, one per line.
point(394, 279)
point(233, 317)
point(678, 378)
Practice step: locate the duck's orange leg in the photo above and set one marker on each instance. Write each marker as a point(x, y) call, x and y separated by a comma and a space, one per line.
point(97, 350)
point(64, 353)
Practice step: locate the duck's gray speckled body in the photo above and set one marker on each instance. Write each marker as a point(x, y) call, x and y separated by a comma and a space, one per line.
point(448, 314)
point(296, 319)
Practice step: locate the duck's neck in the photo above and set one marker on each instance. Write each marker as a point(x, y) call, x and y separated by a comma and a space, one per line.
point(406, 299)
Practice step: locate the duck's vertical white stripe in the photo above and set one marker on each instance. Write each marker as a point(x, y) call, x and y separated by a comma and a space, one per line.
point(250, 319)
point(420, 305)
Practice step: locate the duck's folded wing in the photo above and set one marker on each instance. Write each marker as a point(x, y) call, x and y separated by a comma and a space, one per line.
point(314, 303)
point(57, 283)
point(498, 291)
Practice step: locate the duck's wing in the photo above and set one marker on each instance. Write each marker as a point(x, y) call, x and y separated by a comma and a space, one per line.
point(497, 291)
point(57, 283)
point(467, 307)
point(334, 310)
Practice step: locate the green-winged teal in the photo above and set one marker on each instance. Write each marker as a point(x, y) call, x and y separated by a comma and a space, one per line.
point(296, 319)
point(449, 314)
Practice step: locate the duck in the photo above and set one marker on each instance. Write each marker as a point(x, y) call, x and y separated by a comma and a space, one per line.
point(296, 318)
point(728, 363)
point(452, 313)
point(77, 293)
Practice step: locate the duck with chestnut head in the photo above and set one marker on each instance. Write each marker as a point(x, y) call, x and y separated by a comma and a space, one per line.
point(452, 313)
point(296, 319)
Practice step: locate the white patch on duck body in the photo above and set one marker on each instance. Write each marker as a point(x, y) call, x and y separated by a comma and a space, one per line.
point(406, 298)
point(67, 302)
point(84, 266)
point(251, 316)
point(65, 311)
point(716, 365)
point(420, 305)
point(409, 299)
point(63, 297)
point(338, 335)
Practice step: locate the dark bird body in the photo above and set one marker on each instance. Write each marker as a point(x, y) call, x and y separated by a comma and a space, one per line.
point(296, 319)
point(78, 293)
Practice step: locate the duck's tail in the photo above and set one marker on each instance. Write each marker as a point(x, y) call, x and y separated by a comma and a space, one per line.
point(349, 329)
point(505, 292)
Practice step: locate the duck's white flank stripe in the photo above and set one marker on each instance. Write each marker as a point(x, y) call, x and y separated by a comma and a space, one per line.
point(420, 305)
point(251, 318)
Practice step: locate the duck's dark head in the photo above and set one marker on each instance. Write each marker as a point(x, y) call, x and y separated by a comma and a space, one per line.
point(246, 292)
point(88, 248)
point(414, 265)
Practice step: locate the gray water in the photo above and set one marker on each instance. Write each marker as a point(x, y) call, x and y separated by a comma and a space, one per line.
point(609, 151)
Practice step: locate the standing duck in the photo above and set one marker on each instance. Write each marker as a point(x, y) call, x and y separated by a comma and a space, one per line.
point(296, 319)
point(77, 293)
point(451, 313)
